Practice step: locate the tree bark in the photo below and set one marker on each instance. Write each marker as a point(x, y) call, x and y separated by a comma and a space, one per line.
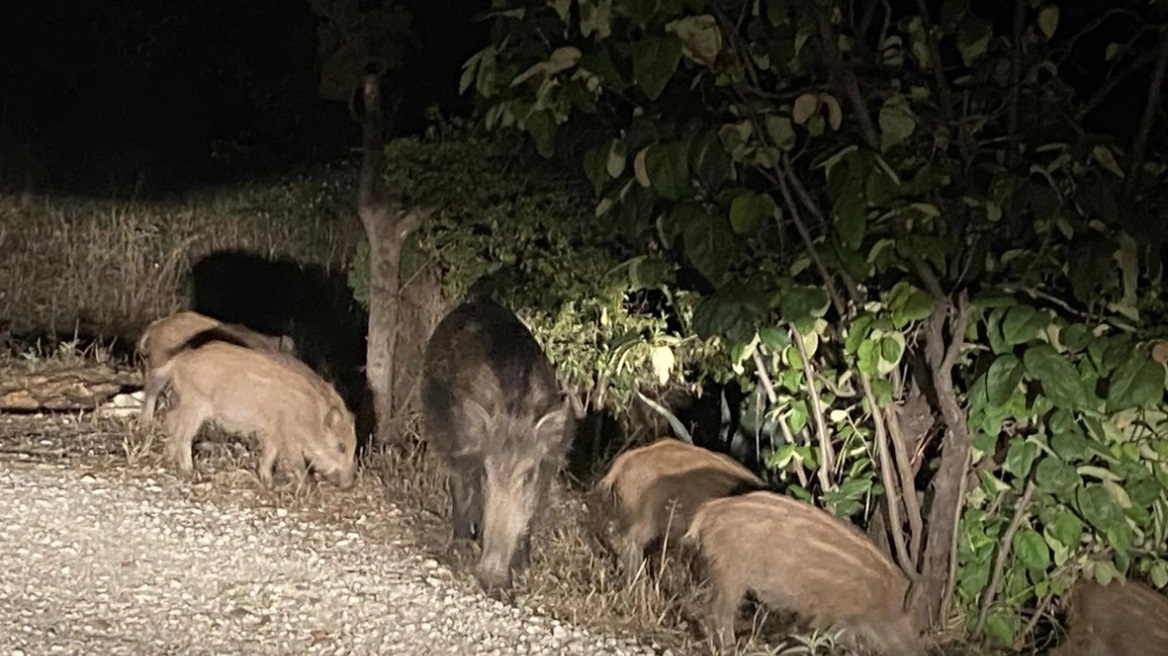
point(1151, 108)
point(386, 227)
point(941, 355)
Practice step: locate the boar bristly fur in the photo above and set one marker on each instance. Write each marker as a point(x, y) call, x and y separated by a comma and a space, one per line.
point(165, 337)
point(296, 416)
point(1118, 619)
point(656, 489)
point(794, 556)
point(493, 412)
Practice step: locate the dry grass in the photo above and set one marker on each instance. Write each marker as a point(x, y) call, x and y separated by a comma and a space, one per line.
point(573, 577)
point(107, 267)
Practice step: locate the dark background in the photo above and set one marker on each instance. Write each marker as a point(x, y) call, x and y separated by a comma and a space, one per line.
point(196, 91)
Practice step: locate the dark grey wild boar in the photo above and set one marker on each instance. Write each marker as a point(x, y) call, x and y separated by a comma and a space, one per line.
point(1118, 619)
point(656, 489)
point(795, 556)
point(493, 412)
point(166, 336)
point(296, 416)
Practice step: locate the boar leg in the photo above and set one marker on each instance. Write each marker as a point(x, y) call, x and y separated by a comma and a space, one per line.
point(294, 465)
point(522, 555)
point(724, 611)
point(466, 500)
point(182, 424)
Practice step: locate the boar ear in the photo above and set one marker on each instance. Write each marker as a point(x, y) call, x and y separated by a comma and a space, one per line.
point(331, 418)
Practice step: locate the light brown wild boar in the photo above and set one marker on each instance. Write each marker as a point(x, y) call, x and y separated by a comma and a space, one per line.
point(1119, 619)
point(797, 557)
point(166, 336)
point(656, 489)
point(295, 414)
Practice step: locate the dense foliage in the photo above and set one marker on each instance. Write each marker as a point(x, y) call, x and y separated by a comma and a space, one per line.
point(892, 225)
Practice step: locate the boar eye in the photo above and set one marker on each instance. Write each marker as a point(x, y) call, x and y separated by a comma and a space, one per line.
point(529, 476)
point(340, 447)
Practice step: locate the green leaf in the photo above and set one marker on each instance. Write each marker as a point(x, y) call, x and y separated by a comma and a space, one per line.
point(1057, 477)
point(802, 305)
point(1060, 382)
point(1031, 549)
point(1020, 457)
point(774, 339)
point(805, 106)
point(595, 167)
point(780, 131)
point(997, 628)
point(908, 303)
point(655, 59)
point(850, 219)
point(867, 357)
point(596, 18)
point(1098, 507)
point(748, 210)
point(891, 349)
point(541, 124)
point(710, 162)
point(730, 313)
point(1066, 528)
point(668, 169)
point(1048, 19)
point(776, 11)
point(1138, 382)
point(1002, 378)
point(700, 36)
point(1023, 323)
point(897, 122)
point(1076, 337)
point(710, 245)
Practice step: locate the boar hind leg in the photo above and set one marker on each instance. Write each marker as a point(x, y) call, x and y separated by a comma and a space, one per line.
point(466, 500)
point(182, 424)
point(724, 613)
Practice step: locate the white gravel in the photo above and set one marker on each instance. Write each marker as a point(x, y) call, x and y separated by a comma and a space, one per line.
point(91, 564)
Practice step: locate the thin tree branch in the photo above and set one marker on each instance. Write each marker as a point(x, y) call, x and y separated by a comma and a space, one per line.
point(912, 507)
point(893, 492)
point(1015, 81)
point(846, 80)
point(1113, 81)
point(826, 452)
point(987, 597)
point(1140, 147)
point(769, 388)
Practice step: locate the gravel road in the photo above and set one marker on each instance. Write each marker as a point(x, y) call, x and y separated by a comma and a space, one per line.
point(94, 563)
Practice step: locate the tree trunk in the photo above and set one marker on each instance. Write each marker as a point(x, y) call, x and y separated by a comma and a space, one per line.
point(386, 228)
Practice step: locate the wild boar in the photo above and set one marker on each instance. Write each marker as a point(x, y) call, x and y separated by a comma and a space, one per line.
point(295, 415)
point(163, 336)
point(492, 410)
point(1118, 619)
point(166, 336)
point(795, 556)
point(656, 489)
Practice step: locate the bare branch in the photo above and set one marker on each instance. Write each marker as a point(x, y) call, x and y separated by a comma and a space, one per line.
point(1140, 147)
point(912, 506)
point(826, 452)
point(1113, 81)
point(1015, 80)
point(893, 492)
point(846, 80)
point(1003, 553)
point(769, 388)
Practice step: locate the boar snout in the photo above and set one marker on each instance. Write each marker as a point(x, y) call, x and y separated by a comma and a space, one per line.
point(495, 580)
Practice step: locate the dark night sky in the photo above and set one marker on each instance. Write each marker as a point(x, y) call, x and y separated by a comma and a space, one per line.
point(98, 90)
